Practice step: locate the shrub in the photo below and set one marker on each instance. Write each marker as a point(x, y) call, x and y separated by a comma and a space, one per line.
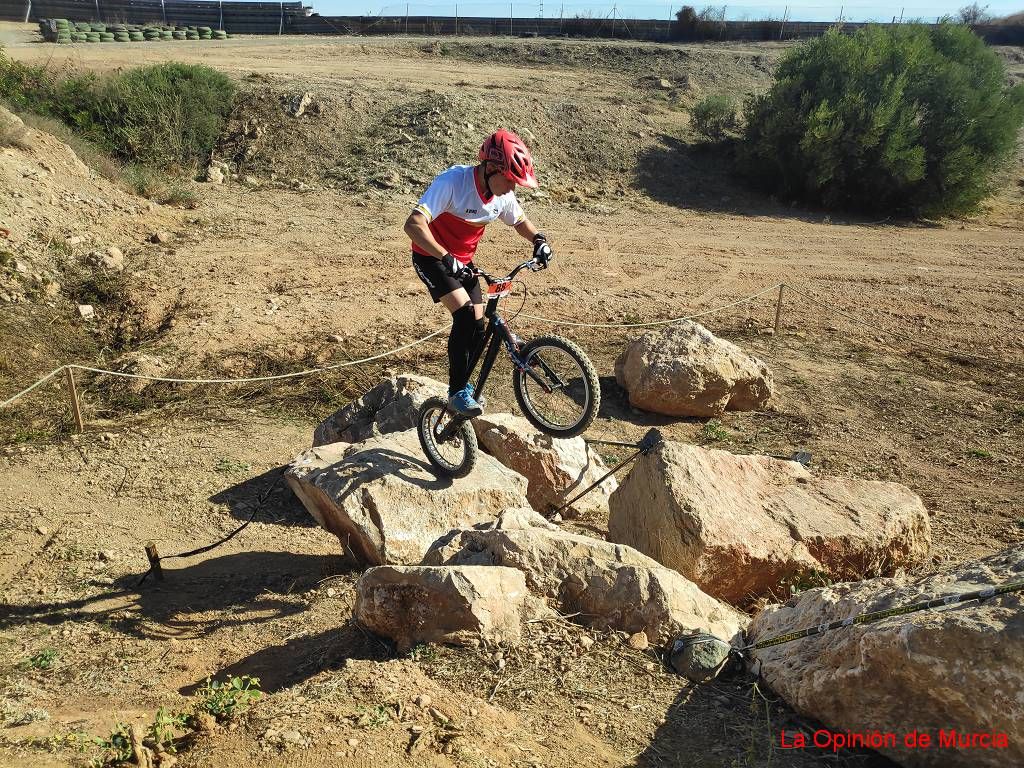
point(714, 116)
point(909, 119)
point(165, 114)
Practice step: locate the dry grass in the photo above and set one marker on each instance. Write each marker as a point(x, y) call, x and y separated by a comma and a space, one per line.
point(94, 157)
point(13, 132)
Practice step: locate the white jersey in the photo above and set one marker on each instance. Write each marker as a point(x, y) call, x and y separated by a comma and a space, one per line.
point(458, 208)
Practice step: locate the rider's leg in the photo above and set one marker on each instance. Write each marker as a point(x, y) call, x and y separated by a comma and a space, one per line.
point(461, 338)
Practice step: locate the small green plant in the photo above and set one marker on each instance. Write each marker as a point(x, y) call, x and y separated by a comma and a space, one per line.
point(713, 431)
point(806, 579)
point(423, 652)
point(42, 660)
point(227, 700)
point(978, 453)
point(116, 748)
point(229, 466)
point(164, 727)
point(371, 717)
point(714, 116)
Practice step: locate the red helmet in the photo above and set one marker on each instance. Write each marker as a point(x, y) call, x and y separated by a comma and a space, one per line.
point(508, 150)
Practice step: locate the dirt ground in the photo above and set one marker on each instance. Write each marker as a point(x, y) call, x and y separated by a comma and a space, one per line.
point(900, 357)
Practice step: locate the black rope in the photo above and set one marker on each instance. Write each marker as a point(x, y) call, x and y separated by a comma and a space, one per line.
point(155, 563)
point(649, 442)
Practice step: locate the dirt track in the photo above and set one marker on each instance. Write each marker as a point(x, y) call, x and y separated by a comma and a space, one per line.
point(272, 269)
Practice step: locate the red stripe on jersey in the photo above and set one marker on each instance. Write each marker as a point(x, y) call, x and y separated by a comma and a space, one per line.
point(457, 236)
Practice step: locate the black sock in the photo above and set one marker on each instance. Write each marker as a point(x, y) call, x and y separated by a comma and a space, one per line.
point(460, 347)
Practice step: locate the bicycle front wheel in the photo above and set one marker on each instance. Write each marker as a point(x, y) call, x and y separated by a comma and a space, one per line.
point(563, 400)
point(454, 455)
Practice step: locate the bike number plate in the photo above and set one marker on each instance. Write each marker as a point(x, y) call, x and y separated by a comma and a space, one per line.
point(497, 290)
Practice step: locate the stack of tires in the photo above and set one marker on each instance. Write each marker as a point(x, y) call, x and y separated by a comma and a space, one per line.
point(63, 29)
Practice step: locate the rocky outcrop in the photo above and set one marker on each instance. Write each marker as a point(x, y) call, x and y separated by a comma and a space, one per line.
point(741, 527)
point(418, 604)
point(391, 406)
point(556, 469)
point(608, 585)
point(385, 504)
point(948, 672)
point(685, 370)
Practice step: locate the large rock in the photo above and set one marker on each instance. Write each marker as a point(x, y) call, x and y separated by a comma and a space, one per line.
point(556, 469)
point(741, 526)
point(956, 668)
point(385, 504)
point(391, 406)
point(609, 585)
point(684, 370)
point(418, 604)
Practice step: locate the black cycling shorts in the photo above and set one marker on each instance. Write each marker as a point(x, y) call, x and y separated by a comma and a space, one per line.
point(440, 283)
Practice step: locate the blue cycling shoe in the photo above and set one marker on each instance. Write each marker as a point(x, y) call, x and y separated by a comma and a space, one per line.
point(481, 400)
point(462, 403)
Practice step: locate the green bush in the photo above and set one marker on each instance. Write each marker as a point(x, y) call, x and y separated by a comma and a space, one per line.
point(908, 119)
point(714, 116)
point(165, 114)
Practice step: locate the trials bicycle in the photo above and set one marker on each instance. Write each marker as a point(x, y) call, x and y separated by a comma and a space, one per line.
point(554, 382)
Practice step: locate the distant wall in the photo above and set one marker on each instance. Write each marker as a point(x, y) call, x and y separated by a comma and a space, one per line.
point(269, 18)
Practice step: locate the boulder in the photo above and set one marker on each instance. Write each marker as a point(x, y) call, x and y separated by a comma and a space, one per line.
point(422, 604)
point(611, 586)
point(555, 469)
point(385, 504)
point(742, 526)
point(957, 668)
point(217, 171)
point(391, 406)
point(684, 370)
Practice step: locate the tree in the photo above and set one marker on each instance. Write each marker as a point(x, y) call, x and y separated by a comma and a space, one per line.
point(911, 119)
point(974, 14)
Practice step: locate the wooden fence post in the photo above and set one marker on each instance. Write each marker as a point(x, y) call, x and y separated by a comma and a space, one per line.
point(778, 314)
point(73, 394)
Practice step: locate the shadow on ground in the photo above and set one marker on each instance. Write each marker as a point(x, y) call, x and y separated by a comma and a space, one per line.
point(239, 589)
point(700, 177)
point(732, 722)
point(269, 496)
point(298, 659)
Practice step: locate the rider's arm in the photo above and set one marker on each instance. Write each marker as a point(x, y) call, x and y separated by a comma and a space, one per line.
point(526, 229)
point(418, 231)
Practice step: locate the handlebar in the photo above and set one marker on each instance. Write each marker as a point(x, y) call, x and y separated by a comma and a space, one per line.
point(530, 264)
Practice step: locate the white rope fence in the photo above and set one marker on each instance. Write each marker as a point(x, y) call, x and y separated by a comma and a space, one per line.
point(69, 368)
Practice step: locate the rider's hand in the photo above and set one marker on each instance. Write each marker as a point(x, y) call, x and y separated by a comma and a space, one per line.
point(454, 268)
point(542, 253)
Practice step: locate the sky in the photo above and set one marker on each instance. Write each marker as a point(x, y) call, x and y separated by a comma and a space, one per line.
point(858, 10)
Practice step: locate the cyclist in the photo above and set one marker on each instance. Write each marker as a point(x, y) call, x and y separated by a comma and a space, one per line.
point(445, 227)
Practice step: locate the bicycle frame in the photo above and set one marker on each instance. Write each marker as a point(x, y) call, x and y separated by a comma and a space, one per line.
point(496, 335)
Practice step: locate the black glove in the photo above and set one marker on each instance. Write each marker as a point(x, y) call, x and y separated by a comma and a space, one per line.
point(542, 253)
point(454, 268)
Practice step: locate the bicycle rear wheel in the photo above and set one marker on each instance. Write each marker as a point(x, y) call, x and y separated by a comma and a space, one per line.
point(454, 457)
point(567, 403)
